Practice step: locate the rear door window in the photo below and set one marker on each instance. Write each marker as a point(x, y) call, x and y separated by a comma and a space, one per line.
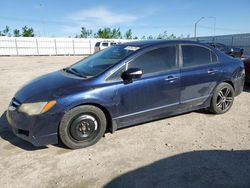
point(197, 56)
point(214, 57)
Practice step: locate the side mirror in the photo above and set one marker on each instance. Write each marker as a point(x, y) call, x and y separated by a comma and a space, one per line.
point(131, 73)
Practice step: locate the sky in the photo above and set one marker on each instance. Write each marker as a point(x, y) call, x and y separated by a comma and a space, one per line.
point(63, 18)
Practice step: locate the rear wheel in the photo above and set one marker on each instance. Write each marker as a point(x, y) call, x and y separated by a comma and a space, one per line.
point(222, 99)
point(82, 126)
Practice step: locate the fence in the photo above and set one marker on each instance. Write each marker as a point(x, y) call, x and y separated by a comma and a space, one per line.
point(18, 46)
point(237, 40)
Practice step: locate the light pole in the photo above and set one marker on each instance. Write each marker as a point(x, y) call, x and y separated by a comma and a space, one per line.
point(214, 18)
point(195, 26)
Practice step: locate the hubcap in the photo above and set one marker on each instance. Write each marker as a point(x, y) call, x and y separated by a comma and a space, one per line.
point(224, 99)
point(83, 127)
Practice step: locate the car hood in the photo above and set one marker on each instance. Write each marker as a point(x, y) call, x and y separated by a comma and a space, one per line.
point(48, 87)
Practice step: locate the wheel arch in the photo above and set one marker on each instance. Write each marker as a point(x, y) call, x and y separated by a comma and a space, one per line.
point(230, 82)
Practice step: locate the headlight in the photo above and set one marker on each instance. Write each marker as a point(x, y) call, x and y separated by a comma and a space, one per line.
point(36, 108)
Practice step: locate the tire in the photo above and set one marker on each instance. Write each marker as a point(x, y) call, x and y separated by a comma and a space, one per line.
point(82, 126)
point(222, 99)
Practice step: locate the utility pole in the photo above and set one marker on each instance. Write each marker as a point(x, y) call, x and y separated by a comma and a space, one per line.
point(195, 26)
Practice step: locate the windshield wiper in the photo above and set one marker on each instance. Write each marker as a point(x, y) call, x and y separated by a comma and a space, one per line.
point(74, 71)
point(78, 73)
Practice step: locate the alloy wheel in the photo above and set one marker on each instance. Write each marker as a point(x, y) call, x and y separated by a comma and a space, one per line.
point(224, 99)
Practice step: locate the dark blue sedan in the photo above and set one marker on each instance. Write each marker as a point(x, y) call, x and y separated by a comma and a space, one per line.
point(124, 85)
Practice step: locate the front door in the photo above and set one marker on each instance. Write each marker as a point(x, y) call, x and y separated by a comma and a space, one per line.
point(156, 92)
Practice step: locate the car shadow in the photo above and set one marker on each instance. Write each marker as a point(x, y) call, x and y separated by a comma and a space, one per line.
point(206, 169)
point(247, 87)
point(6, 134)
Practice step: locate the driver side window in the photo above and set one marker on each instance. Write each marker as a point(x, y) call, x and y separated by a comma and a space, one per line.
point(157, 60)
point(154, 61)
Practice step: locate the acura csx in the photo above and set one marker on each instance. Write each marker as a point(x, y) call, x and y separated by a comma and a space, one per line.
point(124, 85)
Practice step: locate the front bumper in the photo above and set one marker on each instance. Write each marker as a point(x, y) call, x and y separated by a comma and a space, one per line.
point(40, 130)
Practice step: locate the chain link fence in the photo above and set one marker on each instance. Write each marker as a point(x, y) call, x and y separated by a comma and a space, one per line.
point(237, 40)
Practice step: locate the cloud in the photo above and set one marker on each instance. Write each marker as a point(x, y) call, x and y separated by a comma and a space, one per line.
point(97, 17)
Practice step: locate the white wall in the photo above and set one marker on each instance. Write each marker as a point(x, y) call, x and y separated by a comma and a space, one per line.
point(17, 46)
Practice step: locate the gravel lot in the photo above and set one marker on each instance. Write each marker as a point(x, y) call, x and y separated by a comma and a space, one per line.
point(192, 150)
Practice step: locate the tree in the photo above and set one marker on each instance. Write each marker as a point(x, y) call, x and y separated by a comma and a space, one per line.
point(150, 37)
point(6, 31)
point(85, 33)
point(108, 33)
point(181, 36)
point(172, 36)
point(27, 32)
point(104, 33)
point(164, 35)
point(16, 33)
point(128, 34)
point(116, 34)
point(143, 37)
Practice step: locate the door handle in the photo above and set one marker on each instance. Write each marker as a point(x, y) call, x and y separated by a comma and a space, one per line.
point(212, 71)
point(171, 78)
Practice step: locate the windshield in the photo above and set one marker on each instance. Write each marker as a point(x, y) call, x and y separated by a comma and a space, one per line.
point(99, 62)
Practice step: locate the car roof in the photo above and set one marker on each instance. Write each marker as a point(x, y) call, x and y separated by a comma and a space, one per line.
point(216, 43)
point(145, 43)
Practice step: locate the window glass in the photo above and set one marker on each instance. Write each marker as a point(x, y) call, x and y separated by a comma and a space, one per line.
point(195, 56)
point(112, 43)
point(99, 62)
point(158, 60)
point(117, 75)
point(105, 44)
point(213, 57)
point(97, 44)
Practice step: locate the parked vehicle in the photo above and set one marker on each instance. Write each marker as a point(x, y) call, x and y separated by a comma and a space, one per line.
point(247, 69)
point(124, 85)
point(103, 45)
point(233, 51)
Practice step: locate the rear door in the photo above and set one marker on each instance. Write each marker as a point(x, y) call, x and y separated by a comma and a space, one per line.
point(200, 72)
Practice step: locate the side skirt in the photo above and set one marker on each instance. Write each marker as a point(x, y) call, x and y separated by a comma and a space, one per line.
point(118, 123)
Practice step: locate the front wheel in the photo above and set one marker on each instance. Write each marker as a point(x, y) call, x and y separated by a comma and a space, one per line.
point(82, 126)
point(222, 99)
